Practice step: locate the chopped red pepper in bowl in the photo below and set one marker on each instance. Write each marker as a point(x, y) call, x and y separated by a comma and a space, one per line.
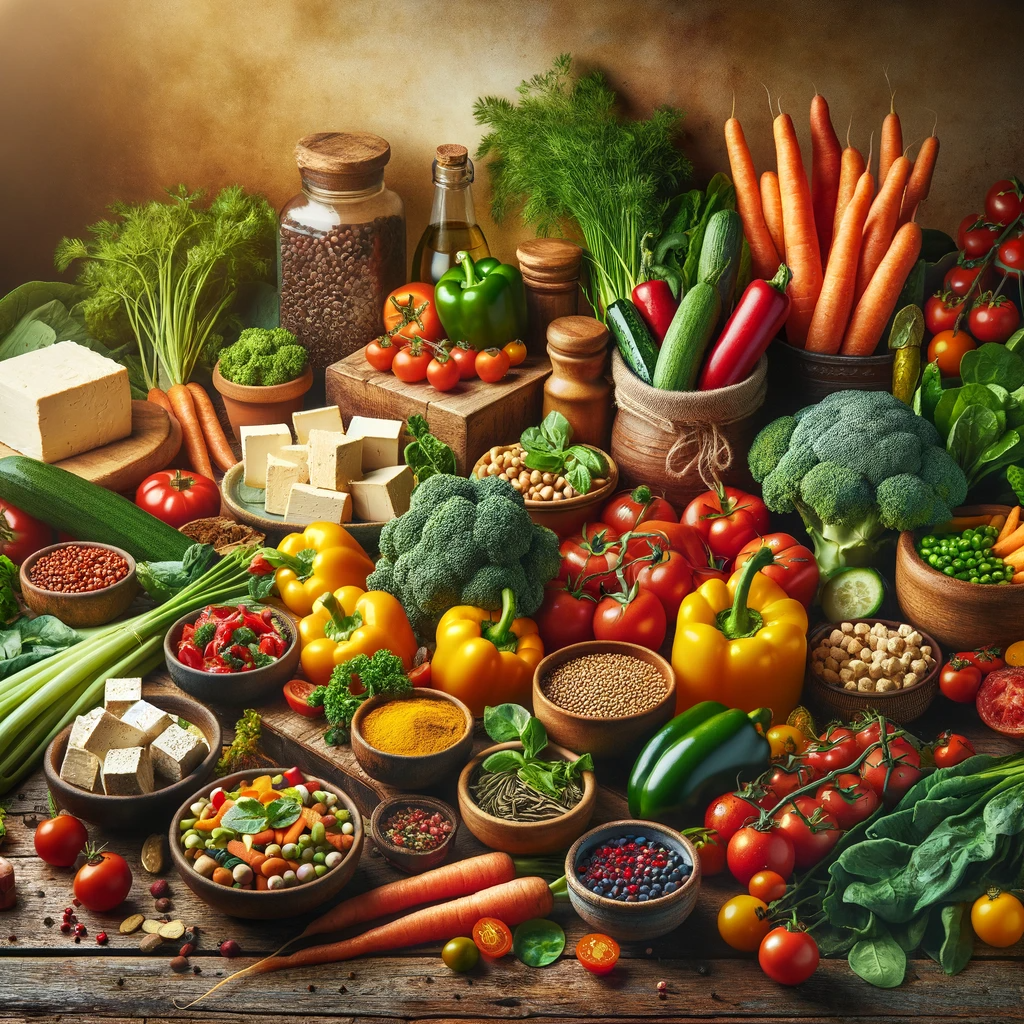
point(228, 639)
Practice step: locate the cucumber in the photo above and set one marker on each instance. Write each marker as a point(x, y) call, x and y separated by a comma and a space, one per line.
point(720, 253)
point(87, 511)
point(853, 594)
point(682, 350)
point(634, 341)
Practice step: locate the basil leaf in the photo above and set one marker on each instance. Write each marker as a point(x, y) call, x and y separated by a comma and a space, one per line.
point(248, 816)
point(584, 763)
point(538, 942)
point(544, 461)
point(594, 461)
point(534, 738)
point(538, 775)
point(556, 429)
point(579, 477)
point(534, 440)
point(503, 761)
point(505, 722)
point(283, 811)
point(879, 961)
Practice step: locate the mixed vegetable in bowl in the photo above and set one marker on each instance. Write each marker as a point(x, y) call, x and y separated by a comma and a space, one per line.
point(226, 639)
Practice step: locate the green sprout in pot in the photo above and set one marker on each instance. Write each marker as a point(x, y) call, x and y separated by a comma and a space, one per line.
point(263, 358)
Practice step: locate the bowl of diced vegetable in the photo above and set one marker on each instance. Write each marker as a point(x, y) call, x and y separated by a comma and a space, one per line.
point(267, 845)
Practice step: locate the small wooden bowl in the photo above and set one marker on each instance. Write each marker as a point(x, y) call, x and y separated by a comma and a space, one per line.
point(633, 921)
point(900, 706)
point(960, 615)
point(134, 813)
point(526, 837)
point(566, 517)
point(271, 905)
point(412, 861)
point(411, 772)
point(602, 737)
point(94, 608)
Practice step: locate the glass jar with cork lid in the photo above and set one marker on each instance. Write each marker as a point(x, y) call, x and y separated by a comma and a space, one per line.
point(342, 245)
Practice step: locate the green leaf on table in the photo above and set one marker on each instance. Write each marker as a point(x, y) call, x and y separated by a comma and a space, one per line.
point(283, 811)
point(958, 944)
point(538, 942)
point(247, 817)
point(26, 641)
point(503, 761)
point(880, 961)
point(505, 722)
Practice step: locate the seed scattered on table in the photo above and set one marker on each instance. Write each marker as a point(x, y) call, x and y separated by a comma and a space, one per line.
point(605, 686)
point(78, 569)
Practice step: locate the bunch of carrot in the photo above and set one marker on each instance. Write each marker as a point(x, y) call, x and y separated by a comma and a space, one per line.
point(850, 250)
point(1009, 545)
point(201, 432)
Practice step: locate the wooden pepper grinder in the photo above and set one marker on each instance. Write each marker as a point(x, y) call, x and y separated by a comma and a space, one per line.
point(551, 273)
point(577, 387)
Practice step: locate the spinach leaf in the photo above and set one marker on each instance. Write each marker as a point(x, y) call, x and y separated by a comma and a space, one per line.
point(26, 641)
point(9, 586)
point(248, 816)
point(973, 431)
point(910, 934)
point(929, 393)
point(505, 722)
point(958, 944)
point(427, 456)
point(538, 942)
point(1015, 478)
point(992, 364)
point(1015, 342)
point(163, 580)
point(283, 811)
point(503, 761)
point(943, 418)
point(880, 961)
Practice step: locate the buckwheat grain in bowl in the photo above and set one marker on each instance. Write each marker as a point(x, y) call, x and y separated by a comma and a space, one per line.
point(605, 686)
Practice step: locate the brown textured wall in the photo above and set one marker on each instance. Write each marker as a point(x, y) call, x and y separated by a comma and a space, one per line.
point(112, 99)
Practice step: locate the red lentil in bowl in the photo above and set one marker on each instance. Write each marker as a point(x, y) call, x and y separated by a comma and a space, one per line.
point(78, 569)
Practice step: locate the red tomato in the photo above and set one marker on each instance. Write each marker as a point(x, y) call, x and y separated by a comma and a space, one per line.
point(870, 731)
point(636, 618)
point(598, 953)
point(786, 780)
point(412, 308)
point(60, 840)
point(411, 362)
point(491, 365)
point(628, 509)
point(993, 318)
point(703, 573)
point(1001, 701)
point(728, 814)
point(794, 569)
point(492, 937)
point(960, 680)
point(813, 831)
point(848, 799)
point(177, 496)
point(380, 354)
point(565, 617)
point(591, 557)
point(767, 886)
point(1010, 259)
point(465, 357)
point(1003, 201)
point(443, 372)
point(985, 659)
point(951, 748)
point(296, 692)
point(978, 241)
point(728, 519)
point(752, 849)
point(419, 675)
point(941, 311)
point(670, 579)
point(788, 957)
point(516, 352)
point(711, 850)
point(103, 882)
point(965, 225)
point(836, 748)
point(687, 540)
point(891, 773)
point(960, 278)
point(947, 349)
point(20, 534)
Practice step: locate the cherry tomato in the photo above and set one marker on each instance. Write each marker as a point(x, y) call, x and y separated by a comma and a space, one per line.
point(941, 311)
point(786, 779)
point(412, 308)
point(492, 937)
point(978, 241)
point(891, 773)
point(959, 278)
point(591, 557)
point(380, 354)
point(598, 953)
point(947, 349)
point(951, 748)
point(491, 365)
point(743, 922)
point(637, 618)
point(1010, 259)
point(728, 518)
point(752, 849)
point(785, 740)
point(768, 886)
point(460, 954)
point(869, 731)
point(627, 510)
point(965, 225)
point(1001, 700)
point(419, 675)
point(984, 659)
point(103, 882)
point(849, 799)
point(1003, 201)
point(727, 814)
point(811, 828)
point(788, 957)
point(670, 579)
point(794, 568)
point(566, 616)
point(465, 358)
point(411, 362)
point(992, 318)
point(516, 352)
point(177, 496)
point(998, 919)
point(960, 681)
point(20, 534)
point(711, 850)
point(836, 748)
point(60, 840)
point(296, 693)
point(443, 372)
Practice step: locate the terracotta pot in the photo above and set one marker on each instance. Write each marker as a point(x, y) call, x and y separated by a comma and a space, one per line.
point(254, 407)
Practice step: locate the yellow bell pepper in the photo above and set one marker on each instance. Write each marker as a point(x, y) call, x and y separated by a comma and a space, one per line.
point(486, 657)
point(353, 621)
point(743, 644)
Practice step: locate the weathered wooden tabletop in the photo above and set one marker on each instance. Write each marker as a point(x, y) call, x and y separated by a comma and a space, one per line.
point(44, 973)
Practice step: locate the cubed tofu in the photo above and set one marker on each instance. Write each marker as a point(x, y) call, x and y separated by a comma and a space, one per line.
point(382, 494)
point(326, 418)
point(299, 454)
point(147, 717)
point(380, 440)
point(127, 771)
point(307, 504)
point(99, 731)
point(177, 752)
point(82, 769)
point(120, 694)
point(335, 460)
point(257, 444)
point(281, 475)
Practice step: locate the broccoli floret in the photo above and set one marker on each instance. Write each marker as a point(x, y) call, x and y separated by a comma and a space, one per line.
point(287, 363)
point(900, 452)
point(942, 472)
point(262, 358)
point(770, 446)
point(439, 488)
point(836, 494)
point(386, 541)
point(502, 530)
point(406, 532)
point(782, 486)
point(383, 578)
point(494, 486)
point(906, 502)
point(484, 589)
point(204, 633)
point(543, 560)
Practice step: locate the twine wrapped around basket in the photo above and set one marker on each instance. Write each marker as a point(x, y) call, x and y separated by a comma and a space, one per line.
point(682, 442)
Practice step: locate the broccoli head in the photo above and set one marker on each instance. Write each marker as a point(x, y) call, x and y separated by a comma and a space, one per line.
point(262, 358)
point(770, 446)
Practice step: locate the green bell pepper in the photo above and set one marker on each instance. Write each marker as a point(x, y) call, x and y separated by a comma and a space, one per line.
point(700, 754)
point(483, 303)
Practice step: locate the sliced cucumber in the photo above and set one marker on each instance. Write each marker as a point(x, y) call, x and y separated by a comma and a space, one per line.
point(853, 594)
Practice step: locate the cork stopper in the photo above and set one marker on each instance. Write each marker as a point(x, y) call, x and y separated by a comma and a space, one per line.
point(451, 154)
point(549, 260)
point(577, 335)
point(342, 161)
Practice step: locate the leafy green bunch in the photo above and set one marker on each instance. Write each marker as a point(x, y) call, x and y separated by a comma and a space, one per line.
point(548, 449)
point(244, 752)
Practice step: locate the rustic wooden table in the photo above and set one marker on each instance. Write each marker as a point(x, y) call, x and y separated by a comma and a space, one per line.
point(44, 973)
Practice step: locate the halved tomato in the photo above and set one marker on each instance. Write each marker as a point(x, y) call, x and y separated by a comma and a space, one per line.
point(296, 692)
point(1001, 701)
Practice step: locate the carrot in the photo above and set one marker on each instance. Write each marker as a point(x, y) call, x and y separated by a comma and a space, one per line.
point(998, 522)
point(185, 411)
point(881, 222)
point(879, 299)
point(852, 168)
point(264, 837)
point(262, 884)
point(293, 832)
point(310, 817)
point(209, 824)
point(251, 857)
point(273, 866)
point(920, 179)
point(764, 257)
point(802, 253)
point(216, 439)
point(1018, 577)
point(1011, 524)
point(159, 397)
point(341, 842)
point(771, 204)
point(1009, 543)
point(826, 164)
point(832, 311)
point(1015, 560)
point(890, 147)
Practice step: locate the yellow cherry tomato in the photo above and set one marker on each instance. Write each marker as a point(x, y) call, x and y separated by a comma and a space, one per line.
point(786, 740)
point(516, 352)
point(998, 918)
point(1015, 654)
point(743, 922)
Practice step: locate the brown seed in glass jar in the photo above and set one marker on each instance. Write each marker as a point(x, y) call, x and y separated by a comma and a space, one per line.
point(605, 686)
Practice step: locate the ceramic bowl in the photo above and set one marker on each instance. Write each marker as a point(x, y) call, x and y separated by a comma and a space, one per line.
point(253, 904)
point(94, 608)
point(418, 771)
point(134, 813)
point(633, 921)
point(236, 688)
point(412, 861)
point(602, 737)
point(526, 837)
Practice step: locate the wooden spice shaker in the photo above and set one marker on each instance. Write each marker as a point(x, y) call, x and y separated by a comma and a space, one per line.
point(551, 273)
point(577, 387)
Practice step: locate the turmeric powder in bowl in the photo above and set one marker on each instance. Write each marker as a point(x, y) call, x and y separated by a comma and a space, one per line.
point(412, 728)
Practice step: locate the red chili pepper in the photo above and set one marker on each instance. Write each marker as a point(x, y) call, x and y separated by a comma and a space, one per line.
point(294, 777)
point(657, 305)
point(190, 655)
point(259, 566)
point(187, 630)
point(759, 314)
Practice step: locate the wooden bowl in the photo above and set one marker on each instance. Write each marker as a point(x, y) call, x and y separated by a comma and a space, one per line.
point(252, 904)
point(415, 772)
point(134, 813)
point(566, 517)
point(236, 688)
point(900, 706)
point(602, 737)
point(94, 608)
point(412, 861)
point(960, 615)
point(526, 837)
point(633, 921)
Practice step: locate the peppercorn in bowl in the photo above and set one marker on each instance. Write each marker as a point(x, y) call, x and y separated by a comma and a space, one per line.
point(414, 833)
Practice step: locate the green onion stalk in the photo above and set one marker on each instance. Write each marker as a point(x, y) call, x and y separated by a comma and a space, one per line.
point(39, 701)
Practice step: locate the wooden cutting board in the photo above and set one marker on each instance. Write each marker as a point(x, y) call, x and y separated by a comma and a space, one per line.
point(123, 465)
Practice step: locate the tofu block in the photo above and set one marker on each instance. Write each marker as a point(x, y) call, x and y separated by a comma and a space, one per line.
point(257, 444)
point(177, 752)
point(128, 772)
point(335, 460)
point(308, 504)
point(281, 474)
point(299, 454)
point(326, 418)
point(382, 494)
point(380, 440)
point(99, 731)
point(62, 400)
point(147, 717)
point(82, 769)
point(120, 694)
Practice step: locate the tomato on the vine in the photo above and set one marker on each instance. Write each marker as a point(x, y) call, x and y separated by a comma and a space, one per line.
point(728, 519)
point(785, 740)
point(786, 779)
point(670, 579)
point(627, 510)
point(711, 851)
point(516, 352)
point(848, 799)
point(591, 557)
point(566, 616)
point(993, 318)
point(411, 308)
point(296, 693)
point(1010, 258)
point(411, 362)
point(491, 365)
point(811, 828)
point(891, 772)
point(951, 748)
point(380, 353)
point(768, 886)
point(743, 922)
point(965, 225)
point(637, 617)
point(59, 841)
point(788, 957)
point(1003, 201)
point(794, 569)
point(443, 372)
point(947, 348)
point(868, 731)
point(960, 680)
point(20, 534)
point(103, 882)
point(960, 278)
point(941, 311)
point(985, 659)
point(978, 241)
point(727, 814)
point(754, 849)
point(464, 357)
point(836, 748)
point(998, 918)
